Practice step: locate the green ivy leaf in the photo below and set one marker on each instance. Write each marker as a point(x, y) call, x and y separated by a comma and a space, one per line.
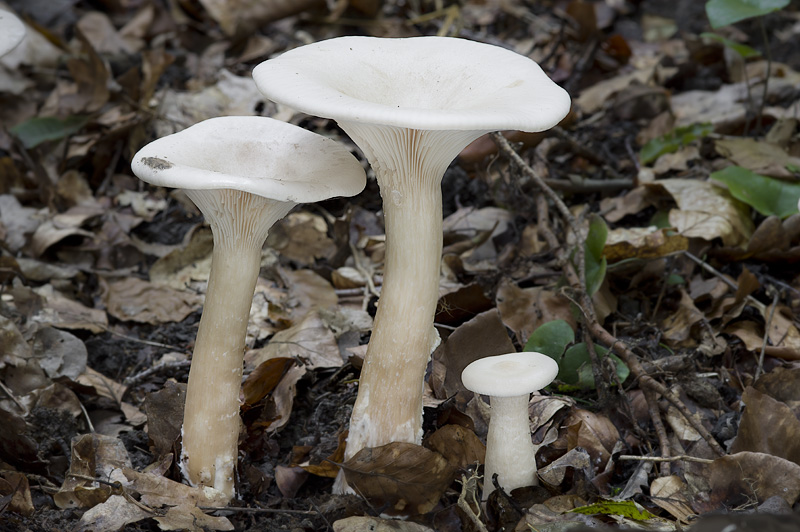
point(551, 339)
point(576, 366)
point(770, 197)
point(725, 12)
point(41, 129)
point(673, 141)
point(594, 260)
point(741, 49)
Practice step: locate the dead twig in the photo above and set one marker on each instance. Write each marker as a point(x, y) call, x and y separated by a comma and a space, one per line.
point(469, 486)
point(665, 459)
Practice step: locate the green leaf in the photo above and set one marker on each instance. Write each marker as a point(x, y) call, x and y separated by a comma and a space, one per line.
point(741, 49)
point(673, 141)
point(576, 366)
point(628, 509)
point(594, 260)
point(725, 12)
point(766, 195)
point(551, 339)
point(41, 129)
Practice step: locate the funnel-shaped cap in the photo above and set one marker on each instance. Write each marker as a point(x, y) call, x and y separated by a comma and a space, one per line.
point(427, 83)
point(253, 154)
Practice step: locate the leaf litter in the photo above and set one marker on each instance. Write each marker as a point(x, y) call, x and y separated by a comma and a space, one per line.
point(693, 288)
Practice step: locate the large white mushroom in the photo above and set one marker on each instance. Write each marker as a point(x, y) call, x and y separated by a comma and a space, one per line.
point(12, 31)
point(411, 105)
point(508, 380)
point(244, 174)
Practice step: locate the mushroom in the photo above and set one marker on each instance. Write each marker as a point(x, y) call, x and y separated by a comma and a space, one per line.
point(12, 32)
point(244, 174)
point(411, 105)
point(509, 380)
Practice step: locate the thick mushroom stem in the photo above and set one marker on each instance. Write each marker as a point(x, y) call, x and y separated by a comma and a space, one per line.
point(239, 222)
point(409, 165)
point(509, 449)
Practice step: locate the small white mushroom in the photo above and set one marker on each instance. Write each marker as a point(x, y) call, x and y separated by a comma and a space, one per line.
point(244, 174)
point(12, 31)
point(509, 380)
point(411, 105)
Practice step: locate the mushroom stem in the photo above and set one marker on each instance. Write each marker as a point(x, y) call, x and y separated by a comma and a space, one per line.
point(239, 222)
point(409, 165)
point(509, 449)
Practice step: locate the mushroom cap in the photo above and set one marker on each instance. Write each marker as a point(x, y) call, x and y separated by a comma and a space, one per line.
point(254, 154)
point(12, 31)
point(429, 83)
point(510, 375)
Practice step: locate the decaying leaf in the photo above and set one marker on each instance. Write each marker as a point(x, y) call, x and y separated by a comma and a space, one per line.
point(767, 426)
point(373, 524)
point(15, 489)
point(643, 243)
point(399, 478)
point(458, 445)
point(133, 299)
point(525, 309)
point(263, 380)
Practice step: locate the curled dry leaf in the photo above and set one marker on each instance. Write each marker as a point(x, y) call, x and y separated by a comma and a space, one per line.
point(745, 477)
point(263, 380)
point(458, 445)
point(14, 489)
point(399, 478)
point(642, 243)
point(669, 493)
point(302, 237)
point(484, 335)
point(593, 432)
point(767, 426)
point(164, 410)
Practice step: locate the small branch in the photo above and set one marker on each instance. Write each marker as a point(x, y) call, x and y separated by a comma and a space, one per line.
point(775, 298)
point(667, 459)
point(464, 505)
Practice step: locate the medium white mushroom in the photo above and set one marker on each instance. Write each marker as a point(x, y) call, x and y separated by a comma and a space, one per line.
point(244, 174)
point(411, 105)
point(12, 31)
point(508, 380)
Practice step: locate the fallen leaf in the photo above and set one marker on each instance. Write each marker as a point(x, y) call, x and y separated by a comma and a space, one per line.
point(669, 493)
point(399, 478)
point(265, 378)
point(133, 299)
point(60, 354)
point(15, 489)
point(164, 410)
point(302, 237)
point(707, 211)
point(458, 445)
point(642, 243)
point(757, 156)
point(767, 426)
point(310, 341)
point(593, 432)
point(525, 309)
point(374, 524)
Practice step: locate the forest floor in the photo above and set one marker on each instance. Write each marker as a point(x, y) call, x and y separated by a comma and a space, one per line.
point(674, 177)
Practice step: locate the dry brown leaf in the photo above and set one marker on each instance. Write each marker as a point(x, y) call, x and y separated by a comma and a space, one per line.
point(374, 524)
point(265, 378)
point(399, 478)
point(707, 211)
point(110, 516)
point(102, 385)
point(745, 477)
point(767, 426)
point(525, 309)
point(94, 456)
point(310, 341)
point(783, 384)
point(593, 432)
point(554, 473)
point(306, 291)
point(14, 486)
point(596, 96)
point(164, 410)
point(60, 354)
point(302, 237)
point(678, 324)
point(65, 313)
point(289, 480)
point(642, 243)
point(133, 299)
point(484, 335)
point(459, 445)
point(758, 156)
point(465, 302)
point(669, 493)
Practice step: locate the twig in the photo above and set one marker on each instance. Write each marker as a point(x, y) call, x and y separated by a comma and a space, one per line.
point(234, 509)
point(661, 431)
point(584, 151)
point(135, 379)
point(760, 367)
point(734, 286)
point(768, 73)
point(14, 398)
point(464, 505)
point(139, 340)
point(665, 459)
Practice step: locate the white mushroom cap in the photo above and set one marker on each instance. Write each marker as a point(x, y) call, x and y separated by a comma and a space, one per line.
point(253, 154)
point(430, 83)
point(510, 375)
point(12, 31)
